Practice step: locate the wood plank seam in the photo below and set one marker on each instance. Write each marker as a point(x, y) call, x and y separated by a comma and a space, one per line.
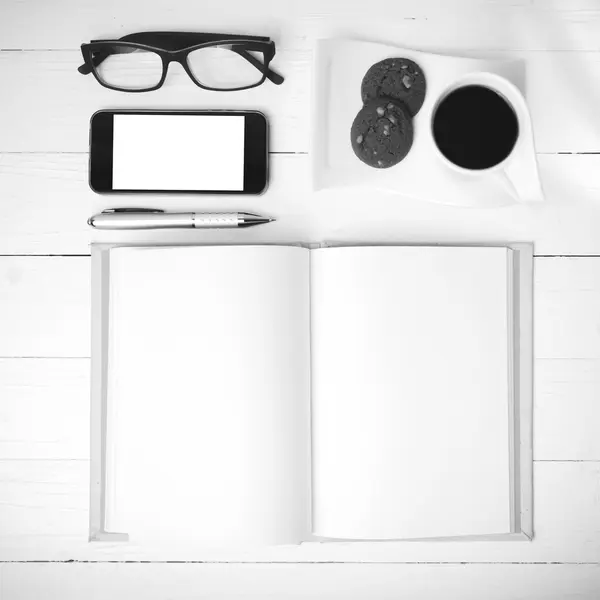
point(85, 460)
point(287, 562)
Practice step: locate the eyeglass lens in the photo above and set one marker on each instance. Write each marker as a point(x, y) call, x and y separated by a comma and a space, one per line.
point(226, 67)
point(127, 68)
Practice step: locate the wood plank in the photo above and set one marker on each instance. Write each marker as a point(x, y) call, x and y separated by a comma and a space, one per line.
point(567, 308)
point(45, 307)
point(43, 500)
point(56, 526)
point(58, 101)
point(46, 202)
point(46, 213)
point(45, 408)
point(461, 24)
point(418, 582)
point(566, 518)
point(46, 314)
point(44, 516)
point(546, 100)
point(566, 409)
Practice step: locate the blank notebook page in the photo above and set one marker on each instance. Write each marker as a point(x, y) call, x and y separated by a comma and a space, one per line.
point(411, 391)
point(208, 395)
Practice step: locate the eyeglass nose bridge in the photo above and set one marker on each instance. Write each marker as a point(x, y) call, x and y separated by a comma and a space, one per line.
point(170, 56)
point(173, 56)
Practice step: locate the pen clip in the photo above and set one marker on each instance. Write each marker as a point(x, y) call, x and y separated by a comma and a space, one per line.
point(110, 211)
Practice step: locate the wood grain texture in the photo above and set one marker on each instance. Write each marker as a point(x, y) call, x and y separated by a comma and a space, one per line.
point(46, 201)
point(45, 204)
point(566, 307)
point(45, 307)
point(44, 408)
point(43, 500)
point(59, 102)
point(44, 516)
point(566, 409)
point(343, 582)
point(45, 106)
point(567, 493)
point(461, 24)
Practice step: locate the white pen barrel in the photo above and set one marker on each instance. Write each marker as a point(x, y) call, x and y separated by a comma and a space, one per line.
point(212, 220)
point(143, 221)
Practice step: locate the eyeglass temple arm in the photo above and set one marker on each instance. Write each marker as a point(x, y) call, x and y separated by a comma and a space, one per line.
point(271, 75)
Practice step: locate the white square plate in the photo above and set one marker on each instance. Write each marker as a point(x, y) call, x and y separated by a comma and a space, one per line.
point(340, 66)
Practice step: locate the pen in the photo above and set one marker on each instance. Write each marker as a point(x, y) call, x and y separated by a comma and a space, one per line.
point(147, 218)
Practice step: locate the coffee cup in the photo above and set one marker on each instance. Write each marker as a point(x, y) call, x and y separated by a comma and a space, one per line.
point(479, 126)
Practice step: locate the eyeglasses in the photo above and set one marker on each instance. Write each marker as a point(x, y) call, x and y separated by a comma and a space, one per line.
point(139, 62)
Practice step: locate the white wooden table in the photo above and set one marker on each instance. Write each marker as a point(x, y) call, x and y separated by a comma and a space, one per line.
point(44, 290)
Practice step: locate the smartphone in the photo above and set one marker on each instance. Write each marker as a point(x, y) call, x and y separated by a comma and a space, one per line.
point(199, 152)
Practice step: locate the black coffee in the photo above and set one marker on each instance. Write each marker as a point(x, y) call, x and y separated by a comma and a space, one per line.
point(475, 128)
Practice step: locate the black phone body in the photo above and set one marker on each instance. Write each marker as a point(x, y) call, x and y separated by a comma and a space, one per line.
point(190, 152)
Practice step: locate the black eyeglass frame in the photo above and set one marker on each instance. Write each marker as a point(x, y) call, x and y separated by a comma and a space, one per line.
point(175, 47)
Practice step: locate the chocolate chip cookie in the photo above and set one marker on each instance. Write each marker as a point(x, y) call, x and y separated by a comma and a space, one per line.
point(382, 133)
point(399, 79)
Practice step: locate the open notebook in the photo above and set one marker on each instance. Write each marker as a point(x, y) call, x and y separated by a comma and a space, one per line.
point(269, 394)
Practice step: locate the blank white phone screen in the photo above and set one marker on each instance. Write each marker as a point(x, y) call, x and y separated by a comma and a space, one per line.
point(178, 152)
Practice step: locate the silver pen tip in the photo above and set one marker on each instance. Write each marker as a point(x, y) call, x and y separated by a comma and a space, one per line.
point(250, 220)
